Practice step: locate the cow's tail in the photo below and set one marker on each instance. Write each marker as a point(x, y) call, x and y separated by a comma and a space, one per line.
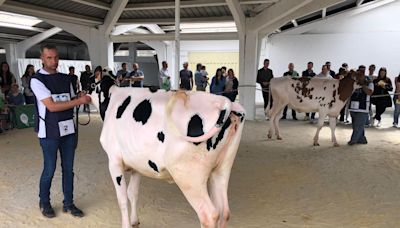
point(224, 107)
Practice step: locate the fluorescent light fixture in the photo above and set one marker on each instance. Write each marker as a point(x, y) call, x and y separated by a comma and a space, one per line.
point(18, 19)
point(2, 51)
point(204, 27)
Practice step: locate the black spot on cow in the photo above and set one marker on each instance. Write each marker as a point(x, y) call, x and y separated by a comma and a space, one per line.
point(220, 120)
point(121, 109)
point(153, 166)
point(197, 143)
point(161, 136)
point(301, 101)
point(323, 98)
point(241, 115)
point(222, 132)
point(311, 96)
point(325, 88)
point(195, 127)
point(209, 144)
point(119, 180)
point(153, 89)
point(142, 112)
point(334, 86)
point(292, 85)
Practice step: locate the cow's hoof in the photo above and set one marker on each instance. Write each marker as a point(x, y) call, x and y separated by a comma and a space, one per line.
point(336, 145)
point(136, 225)
point(279, 138)
point(269, 137)
point(316, 144)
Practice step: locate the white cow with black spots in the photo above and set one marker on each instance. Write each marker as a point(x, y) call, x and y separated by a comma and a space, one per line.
point(190, 138)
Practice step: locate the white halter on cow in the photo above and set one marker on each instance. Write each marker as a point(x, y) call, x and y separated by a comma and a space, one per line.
point(325, 96)
point(190, 138)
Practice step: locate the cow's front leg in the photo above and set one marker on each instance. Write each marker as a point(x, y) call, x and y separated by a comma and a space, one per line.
point(320, 124)
point(332, 125)
point(133, 195)
point(116, 170)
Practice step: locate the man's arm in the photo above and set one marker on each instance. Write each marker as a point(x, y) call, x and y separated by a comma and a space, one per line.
point(65, 105)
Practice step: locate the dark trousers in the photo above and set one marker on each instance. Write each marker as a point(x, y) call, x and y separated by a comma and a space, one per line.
point(293, 112)
point(358, 122)
point(29, 99)
point(266, 99)
point(380, 109)
point(50, 147)
point(230, 96)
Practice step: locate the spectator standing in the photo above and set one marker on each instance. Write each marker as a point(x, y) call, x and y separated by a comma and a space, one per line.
point(231, 86)
point(359, 105)
point(291, 73)
point(26, 83)
point(74, 79)
point(224, 73)
point(396, 100)
point(123, 72)
point(55, 127)
point(199, 79)
point(6, 78)
point(136, 76)
point(382, 86)
point(85, 83)
point(264, 76)
point(164, 76)
point(324, 73)
point(309, 73)
point(331, 72)
point(186, 77)
point(218, 83)
point(371, 77)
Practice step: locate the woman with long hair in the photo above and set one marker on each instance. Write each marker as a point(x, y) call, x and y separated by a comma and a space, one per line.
point(231, 86)
point(217, 83)
point(6, 78)
point(26, 83)
point(382, 86)
point(396, 100)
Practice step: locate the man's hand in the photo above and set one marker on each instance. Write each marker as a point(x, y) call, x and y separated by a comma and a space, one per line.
point(83, 98)
point(265, 83)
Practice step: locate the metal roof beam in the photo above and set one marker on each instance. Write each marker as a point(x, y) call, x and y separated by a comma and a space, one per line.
point(324, 12)
point(22, 37)
point(238, 15)
point(359, 2)
point(276, 12)
point(22, 27)
point(43, 12)
point(94, 3)
point(1, 2)
point(294, 22)
point(113, 15)
point(189, 4)
point(167, 21)
point(171, 36)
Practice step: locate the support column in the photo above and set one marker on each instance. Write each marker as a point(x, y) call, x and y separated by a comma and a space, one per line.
point(132, 53)
point(11, 56)
point(248, 55)
point(175, 85)
point(100, 49)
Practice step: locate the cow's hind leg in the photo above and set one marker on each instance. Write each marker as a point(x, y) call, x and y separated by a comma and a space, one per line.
point(332, 125)
point(195, 191)
point(115, 166)
point(276, 123)
point(133, 195)
point(275, 115)
point(320, 124)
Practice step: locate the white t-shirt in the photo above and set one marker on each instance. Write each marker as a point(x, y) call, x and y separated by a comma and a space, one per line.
point(42, 92)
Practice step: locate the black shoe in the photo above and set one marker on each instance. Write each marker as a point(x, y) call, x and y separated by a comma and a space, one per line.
point(73, 210)
point(350, 143)
point(47, 210)
point(295, 118)
point(362, 142)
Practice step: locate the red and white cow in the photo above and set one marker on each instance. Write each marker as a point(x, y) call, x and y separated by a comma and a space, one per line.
point(190, 138)
point(325, 96)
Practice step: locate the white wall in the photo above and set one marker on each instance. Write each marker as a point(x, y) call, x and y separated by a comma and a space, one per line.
point(369, 34)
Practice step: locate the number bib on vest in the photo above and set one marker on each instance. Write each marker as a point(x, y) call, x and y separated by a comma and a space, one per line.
point(66, 127)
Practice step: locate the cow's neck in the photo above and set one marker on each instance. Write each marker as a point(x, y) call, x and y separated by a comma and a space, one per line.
point(346, 88)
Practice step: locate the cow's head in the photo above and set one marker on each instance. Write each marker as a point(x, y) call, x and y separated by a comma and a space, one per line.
point(357, 76)
point(100, 94)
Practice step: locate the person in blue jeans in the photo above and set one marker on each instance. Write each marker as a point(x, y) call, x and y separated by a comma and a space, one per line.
point(359, 111)
point(55, 127)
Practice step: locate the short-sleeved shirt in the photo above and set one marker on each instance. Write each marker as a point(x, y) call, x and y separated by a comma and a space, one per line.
point(308, 73)
point(137, 73)
point(42, 92)
point(186, 76)
point(291, 73)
